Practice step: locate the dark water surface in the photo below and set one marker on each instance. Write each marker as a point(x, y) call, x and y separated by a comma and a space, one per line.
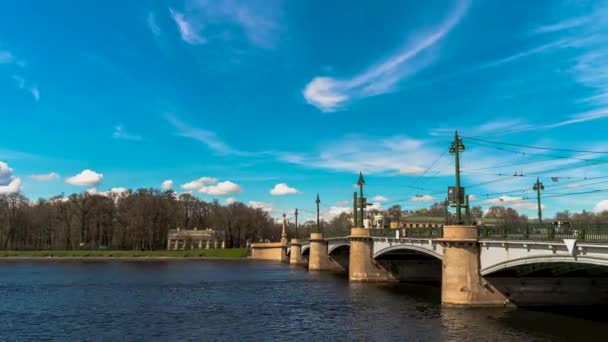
point(248, 301)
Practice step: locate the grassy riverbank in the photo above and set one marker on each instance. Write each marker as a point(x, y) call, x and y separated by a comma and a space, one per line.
point(228, 253)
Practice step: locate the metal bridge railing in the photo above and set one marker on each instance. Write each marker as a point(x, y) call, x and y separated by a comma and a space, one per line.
point(415, 233)
point(429, 232)
point(547, 232)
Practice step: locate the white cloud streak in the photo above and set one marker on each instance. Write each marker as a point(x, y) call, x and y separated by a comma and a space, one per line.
point(189, 30)
point(206, 137)
point(330, 94)
point(422, 198)
point(152, 24)
point(45, 177)
point(121, 133)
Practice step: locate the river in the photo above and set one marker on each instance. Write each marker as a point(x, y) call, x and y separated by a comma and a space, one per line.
point(248, 301)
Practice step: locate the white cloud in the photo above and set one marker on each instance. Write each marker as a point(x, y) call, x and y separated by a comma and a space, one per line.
point(190, 30)
point(370, 155)
point(19, 80)
point(380, 198)
point(118, 191)
point(167, 185)
point(120, 133)
point(45, 177)
point(411, 170)
point(85, 178)
point(334, 211)
point(503, 199)
point(601, 206)
point(221, 189)
point(112, 192)
point(330, 94)
point(342, 203)
point(204, 136)
point(230, 200)
point(257, 22)
point(152, 24)
point(563, 25)
point(9, 183)
point(23, 84)
point(199, 183)
point(261, 205)
point(375, 206)
point(6, 173)
point(35, 92)
point(472, 198)
point(12, 187)
point(422, 198)
point(525, 205)
point(283, 189)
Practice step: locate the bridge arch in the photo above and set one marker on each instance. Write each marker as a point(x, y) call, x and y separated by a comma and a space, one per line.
point(414, 248)
point(333, 247)
point(306, 249)
point(545, 259)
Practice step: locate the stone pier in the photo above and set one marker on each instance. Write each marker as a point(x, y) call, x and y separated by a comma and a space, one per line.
point(462, 284)
point(319, 259)
point(295, 256)
point(362, 266)
point(275, 251)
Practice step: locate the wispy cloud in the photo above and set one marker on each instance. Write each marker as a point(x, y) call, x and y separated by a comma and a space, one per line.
point(202, 21)
point(355, 153)
point(45, 177)
point(152, 24)
point(121, 133)
point(563, 25)
point(422, 198)
point(209, 138)
point(330, 94)
point(189, 30)
point(35, 92)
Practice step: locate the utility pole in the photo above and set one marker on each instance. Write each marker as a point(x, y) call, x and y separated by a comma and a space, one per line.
point(296, 230)
point(318, 223)
point(361, 182)
point(455, 149)
point(446, 211)
point(538, 186)
point(467, 210)
point(355, 220)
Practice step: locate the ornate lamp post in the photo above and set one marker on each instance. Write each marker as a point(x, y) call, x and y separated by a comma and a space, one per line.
point(538, 186)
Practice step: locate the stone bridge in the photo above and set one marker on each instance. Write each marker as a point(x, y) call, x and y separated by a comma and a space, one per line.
point(532, 265)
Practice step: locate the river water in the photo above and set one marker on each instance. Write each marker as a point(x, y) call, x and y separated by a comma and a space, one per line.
point(249, 301)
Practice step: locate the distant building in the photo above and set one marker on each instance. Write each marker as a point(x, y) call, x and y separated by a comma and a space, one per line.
point(179, 239)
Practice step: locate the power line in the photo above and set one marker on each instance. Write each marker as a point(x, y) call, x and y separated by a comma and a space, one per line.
point(536, 147)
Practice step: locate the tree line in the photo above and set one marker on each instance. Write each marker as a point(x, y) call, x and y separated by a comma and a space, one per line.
point(137, 219)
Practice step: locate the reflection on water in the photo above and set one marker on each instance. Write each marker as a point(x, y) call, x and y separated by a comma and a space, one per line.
point(228, 301)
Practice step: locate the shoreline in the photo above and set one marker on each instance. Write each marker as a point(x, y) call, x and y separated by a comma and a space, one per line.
point(203, 254)
point(114, 258)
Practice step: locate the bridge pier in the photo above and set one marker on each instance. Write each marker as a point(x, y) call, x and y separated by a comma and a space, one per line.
point(362, 266)
point(318, 259)
point(295, 256)
point(462, 283)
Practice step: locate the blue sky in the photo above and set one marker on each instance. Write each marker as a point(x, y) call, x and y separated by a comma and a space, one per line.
point(231, 99)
